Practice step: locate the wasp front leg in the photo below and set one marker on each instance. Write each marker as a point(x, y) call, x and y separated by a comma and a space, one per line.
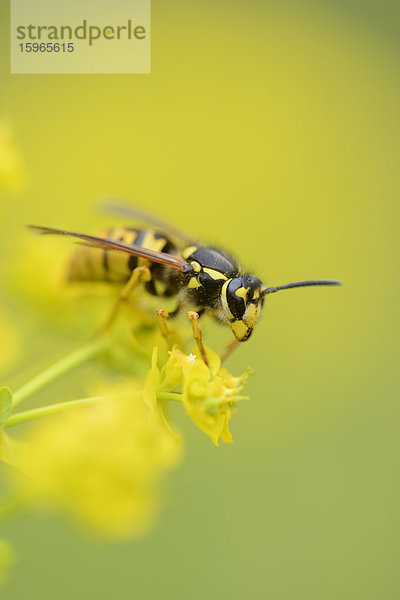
point(194, 318)
point(162, 316)
point(138, 275)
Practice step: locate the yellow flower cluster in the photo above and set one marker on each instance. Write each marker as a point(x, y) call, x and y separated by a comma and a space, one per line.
point(210, 394)
point(101, 463)
point(102, 459)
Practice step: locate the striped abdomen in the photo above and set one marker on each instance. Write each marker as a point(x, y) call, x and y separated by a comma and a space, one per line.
point(97, 264)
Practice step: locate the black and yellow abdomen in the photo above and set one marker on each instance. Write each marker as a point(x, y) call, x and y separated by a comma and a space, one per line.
point(97, 264)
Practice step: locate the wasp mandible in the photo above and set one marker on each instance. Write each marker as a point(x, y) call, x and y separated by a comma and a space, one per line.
point(204, 279)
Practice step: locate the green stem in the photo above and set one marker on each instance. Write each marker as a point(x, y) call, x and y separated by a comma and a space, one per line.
point(161, 396)
point(60, 367)
point(51, 409)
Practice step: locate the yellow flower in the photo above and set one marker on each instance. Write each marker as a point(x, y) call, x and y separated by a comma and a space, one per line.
point(102, 464)
point(37, 275)
point(174, 369)
point(7, 559)
point(151, 386)
point(210, 394)
point(12, 173)
point(179, 366)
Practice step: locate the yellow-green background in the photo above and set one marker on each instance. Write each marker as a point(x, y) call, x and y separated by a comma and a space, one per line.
point(272, 129)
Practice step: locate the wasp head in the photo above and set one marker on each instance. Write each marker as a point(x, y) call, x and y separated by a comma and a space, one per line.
point(242, 300)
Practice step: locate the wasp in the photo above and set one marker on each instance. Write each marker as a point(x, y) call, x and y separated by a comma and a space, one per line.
point(204, 279)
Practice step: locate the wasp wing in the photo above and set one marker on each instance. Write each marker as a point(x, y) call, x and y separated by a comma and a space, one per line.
point(98, 242)
point(144, 217)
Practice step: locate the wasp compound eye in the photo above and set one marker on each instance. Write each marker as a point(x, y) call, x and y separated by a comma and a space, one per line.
point(236, 298)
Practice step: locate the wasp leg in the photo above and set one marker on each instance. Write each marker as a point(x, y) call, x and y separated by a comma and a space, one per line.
point(228, 350)
point(194, 318)
point(162, 316)
point(139, 274)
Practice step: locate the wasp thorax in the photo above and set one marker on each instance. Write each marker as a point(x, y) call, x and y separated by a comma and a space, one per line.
point(241, 303)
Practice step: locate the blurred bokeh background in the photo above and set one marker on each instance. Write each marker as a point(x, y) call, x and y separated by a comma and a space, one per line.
point(272, 129)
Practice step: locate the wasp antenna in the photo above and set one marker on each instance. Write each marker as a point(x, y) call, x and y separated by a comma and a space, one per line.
point(296, 284)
